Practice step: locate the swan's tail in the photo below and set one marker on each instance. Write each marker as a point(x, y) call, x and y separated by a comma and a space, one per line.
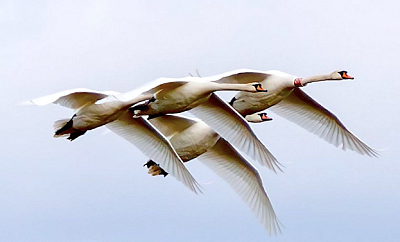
point(61, 126)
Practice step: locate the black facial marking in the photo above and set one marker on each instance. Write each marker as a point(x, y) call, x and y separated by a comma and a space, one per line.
point(258, 85)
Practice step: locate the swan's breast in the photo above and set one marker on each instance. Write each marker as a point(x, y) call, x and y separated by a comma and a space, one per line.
point(194, 141)
point(95, 115)
point(249, 103)
point(177, 100)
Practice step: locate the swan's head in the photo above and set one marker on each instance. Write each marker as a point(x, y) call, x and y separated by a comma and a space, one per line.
point(258, 87)
point(258, 118)
point(340, 75)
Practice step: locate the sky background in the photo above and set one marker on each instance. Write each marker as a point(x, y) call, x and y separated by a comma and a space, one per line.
point(95, 188)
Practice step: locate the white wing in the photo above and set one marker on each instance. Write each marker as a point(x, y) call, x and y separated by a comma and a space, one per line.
point(169, 124)
point(229, 124)
point(155, 86)
point(244, 178)
point(241, 76)
point(74, 98)
point(304, 111)
point(154, 145)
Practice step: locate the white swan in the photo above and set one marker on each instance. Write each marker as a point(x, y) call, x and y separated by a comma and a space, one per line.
point(114, 113)
point(194, 139)
point(175, 95)
point(196, 95)
point(285, 98)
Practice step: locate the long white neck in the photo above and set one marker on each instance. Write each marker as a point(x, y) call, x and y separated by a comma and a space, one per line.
point(233, 87)
point(299, 82)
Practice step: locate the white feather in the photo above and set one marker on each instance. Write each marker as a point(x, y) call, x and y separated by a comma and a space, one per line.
point(154, 145)
point(230, 125)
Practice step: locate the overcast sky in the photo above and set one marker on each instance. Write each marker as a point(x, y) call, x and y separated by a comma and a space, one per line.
point(95, 188)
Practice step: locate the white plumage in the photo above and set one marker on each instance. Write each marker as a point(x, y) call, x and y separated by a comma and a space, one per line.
point(196, 94)
point(114, 113)
point(194, 139)
point(285, 98)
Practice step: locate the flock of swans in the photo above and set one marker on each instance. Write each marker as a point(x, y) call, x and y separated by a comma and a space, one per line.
point(147, 117)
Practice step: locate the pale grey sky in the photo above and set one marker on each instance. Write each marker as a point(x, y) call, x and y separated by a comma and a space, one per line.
point(95, 188)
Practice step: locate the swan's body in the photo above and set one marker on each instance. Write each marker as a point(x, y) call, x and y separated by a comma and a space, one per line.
point(114, 113)
point(194, 139)
point(196, 95)
point(179, 95)
point(285, 98)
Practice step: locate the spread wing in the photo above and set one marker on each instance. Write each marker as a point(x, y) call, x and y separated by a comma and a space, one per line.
point(229, 124)
point(241, 76)
point(244, 178)
point(154, 145)
point(171, 124)
point(154, 87)
point(74, 98)
point(304, 111)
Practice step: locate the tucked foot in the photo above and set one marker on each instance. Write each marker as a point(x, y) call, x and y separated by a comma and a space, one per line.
point(232, 101)
point(75, 135)
point(155, 169)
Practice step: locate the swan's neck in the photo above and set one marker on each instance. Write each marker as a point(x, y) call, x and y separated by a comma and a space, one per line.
point(301, 82)
point(234, 87)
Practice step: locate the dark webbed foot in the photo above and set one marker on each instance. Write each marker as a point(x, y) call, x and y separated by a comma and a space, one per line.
point(155, 169)
point(232, 101)
point(150, 163)
point(75, 135)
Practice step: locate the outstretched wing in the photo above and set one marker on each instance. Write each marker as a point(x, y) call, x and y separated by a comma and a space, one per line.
point(244, 178)
point(304, 111)
point(228, 123)
point(154, 87)
point(74, 98)
point(241, 76)
point(154, 145)
point(172, 124)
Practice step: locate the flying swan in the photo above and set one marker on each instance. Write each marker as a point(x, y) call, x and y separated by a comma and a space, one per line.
point(113, 113)
point(285, 98)
point(192, 138)
point(174, 95)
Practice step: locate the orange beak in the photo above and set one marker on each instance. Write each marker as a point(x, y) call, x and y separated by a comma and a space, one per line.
point(345, 76)
point(260, 88)
point(265, 117)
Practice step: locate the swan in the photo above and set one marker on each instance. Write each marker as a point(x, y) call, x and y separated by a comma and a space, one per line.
point(286, 99)
point(174, 95)
point(114, 114)
point(155, 169)
point(192, 138)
